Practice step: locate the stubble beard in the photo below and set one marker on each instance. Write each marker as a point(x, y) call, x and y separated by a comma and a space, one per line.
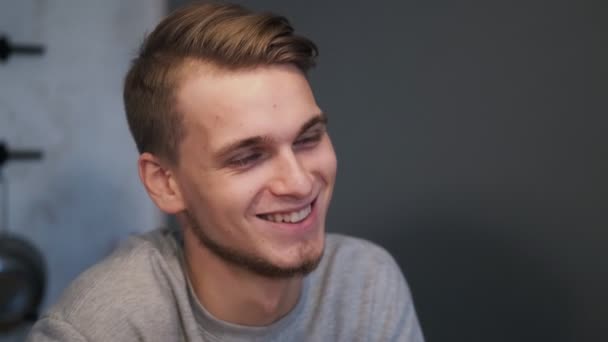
point(252, 263)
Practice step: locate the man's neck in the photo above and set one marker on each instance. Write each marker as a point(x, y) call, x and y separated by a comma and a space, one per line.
point(234, 294)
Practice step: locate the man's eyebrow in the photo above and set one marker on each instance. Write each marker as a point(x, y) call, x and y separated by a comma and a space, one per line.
point(264, 140)
point(319, 119)
point(242, 144)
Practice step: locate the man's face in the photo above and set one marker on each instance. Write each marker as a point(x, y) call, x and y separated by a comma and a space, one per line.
point(256, 167)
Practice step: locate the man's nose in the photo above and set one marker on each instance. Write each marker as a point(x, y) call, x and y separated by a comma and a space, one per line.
point(291, 177)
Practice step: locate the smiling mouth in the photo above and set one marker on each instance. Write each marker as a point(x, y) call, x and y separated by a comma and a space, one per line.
point(289, 217)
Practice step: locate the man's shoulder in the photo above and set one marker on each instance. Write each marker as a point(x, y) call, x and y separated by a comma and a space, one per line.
point(349, 251)
point(128, 283)
point(357, 265)
point(360, 289)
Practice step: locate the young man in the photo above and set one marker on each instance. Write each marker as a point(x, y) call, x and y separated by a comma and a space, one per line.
point(233, 143)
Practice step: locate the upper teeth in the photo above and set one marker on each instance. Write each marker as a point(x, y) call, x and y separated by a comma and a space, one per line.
point(293, 217)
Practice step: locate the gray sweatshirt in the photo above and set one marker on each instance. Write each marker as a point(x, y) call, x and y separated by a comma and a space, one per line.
point(141, 293)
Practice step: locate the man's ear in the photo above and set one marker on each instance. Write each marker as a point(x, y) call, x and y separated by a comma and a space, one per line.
point(160, 183)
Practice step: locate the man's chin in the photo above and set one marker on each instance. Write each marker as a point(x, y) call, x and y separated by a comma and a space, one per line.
point(302, 268)
point(259, 265)
point(265, 267)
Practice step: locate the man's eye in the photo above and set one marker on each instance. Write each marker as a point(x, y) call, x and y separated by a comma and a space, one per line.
point(246, 160)
point(308, 141)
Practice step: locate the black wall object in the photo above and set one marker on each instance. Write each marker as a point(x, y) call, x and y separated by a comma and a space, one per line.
point(7, 48)
point(22, 266)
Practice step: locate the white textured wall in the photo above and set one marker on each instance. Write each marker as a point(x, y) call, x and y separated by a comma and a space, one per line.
point(85, 195)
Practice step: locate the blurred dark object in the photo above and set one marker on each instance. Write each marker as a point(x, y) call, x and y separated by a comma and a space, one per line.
point(22, 266)
point(22, 281)
point(6, 154)
point(7, 49)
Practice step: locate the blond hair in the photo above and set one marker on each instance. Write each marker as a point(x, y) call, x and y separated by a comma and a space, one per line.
point(226, 36)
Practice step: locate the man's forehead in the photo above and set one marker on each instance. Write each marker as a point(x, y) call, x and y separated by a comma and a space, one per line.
point(230, 131)
point(236, 144)
point(196, 99)
point(245, 102)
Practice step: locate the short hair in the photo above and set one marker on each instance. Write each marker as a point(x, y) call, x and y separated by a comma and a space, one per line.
point(226, 36)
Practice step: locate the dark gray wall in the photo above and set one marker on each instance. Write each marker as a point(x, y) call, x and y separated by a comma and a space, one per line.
point(471, 144)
